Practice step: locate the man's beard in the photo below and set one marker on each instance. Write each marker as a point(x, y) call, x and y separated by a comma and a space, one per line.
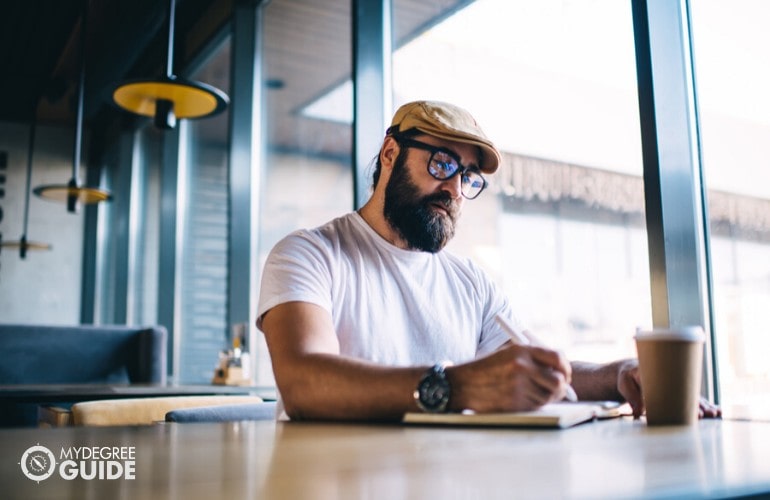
point(417, 219)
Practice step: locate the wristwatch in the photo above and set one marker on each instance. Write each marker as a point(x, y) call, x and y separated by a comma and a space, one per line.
point(433, 391)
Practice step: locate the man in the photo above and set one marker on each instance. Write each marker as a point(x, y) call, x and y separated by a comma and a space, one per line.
point(367, 317)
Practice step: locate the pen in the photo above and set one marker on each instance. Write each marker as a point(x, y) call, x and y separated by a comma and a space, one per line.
point(519, 338)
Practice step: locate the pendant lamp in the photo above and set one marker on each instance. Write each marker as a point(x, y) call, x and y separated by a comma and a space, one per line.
point(73, 193)
point(170, 98)
point(23, 244)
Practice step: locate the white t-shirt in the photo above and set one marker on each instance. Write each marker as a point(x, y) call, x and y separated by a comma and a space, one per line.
point(388, 305)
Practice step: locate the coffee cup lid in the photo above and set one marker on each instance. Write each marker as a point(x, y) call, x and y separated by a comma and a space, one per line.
point(683, 333)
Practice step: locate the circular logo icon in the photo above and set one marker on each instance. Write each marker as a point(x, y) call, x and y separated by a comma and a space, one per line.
point(38, 463)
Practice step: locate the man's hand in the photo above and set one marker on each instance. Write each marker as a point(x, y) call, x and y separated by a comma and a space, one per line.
point(629, 385)
point(514, 378)
point(707, 409)
point(630, 388)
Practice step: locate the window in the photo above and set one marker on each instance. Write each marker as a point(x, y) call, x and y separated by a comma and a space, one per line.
point(731, 47)
point(553, 84)
point(306, 176)
point(203, 293)
point(307, 173)
point(143, 265)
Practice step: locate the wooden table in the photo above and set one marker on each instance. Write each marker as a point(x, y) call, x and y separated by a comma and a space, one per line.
point(618, 458)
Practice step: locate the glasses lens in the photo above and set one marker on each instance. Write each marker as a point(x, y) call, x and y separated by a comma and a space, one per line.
point(472, 184)
point(442, 166)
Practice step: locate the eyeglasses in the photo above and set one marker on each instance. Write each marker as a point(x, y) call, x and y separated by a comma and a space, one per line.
point(445, 164)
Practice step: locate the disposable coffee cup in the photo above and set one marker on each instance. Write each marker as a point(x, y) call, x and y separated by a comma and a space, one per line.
point(670, 367)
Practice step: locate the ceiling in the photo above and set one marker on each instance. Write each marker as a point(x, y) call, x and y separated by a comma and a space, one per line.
point(311, 62)
point(33, 37)
point(40, 54)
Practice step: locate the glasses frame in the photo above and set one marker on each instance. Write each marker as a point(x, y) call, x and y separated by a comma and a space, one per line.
point(462, 169)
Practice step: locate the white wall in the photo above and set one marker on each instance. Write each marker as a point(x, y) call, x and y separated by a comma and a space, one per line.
point(44, 287)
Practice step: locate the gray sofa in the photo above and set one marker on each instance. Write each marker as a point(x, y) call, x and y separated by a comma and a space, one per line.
point(81, 354)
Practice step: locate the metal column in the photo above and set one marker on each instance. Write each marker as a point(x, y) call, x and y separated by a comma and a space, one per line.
point(372, 86)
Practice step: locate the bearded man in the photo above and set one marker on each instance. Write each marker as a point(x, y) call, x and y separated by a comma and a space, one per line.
point(368, 316)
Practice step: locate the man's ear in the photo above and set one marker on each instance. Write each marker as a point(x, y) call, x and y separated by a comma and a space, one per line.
point(389, 152)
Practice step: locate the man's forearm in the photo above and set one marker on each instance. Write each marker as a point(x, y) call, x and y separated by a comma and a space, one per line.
point(596, 382)
point(324, 386)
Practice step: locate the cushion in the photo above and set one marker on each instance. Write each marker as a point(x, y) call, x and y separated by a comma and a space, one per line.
point(224, 413)
point(144, 411)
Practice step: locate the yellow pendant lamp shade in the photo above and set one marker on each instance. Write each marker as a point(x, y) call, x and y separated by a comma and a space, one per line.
point(168, 99)
point(72, 193)
point(23, 244)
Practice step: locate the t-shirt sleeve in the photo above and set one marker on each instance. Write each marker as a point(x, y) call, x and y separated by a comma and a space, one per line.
point(297, 269)
point(493, 336)
point(496, 302)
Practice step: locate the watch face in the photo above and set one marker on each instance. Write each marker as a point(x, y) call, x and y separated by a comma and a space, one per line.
point(434, 392)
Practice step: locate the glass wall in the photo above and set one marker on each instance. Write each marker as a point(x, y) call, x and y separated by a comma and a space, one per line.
point(306, 161)
point(130, 239)
point(106, 283)
point(306, 173)
point(553, 84)
point(731, 47)
point(145, 258)
point(204, 270)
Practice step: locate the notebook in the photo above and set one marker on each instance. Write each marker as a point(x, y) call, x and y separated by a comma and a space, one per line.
point(553, 415)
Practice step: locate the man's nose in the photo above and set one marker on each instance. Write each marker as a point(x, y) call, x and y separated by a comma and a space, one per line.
point(453, 186)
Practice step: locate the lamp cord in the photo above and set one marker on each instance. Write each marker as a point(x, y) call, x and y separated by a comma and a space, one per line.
point(81, 97)
point(32, 128)
point(170, 55)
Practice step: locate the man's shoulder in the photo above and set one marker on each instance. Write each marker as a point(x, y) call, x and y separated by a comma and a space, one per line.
point(330, 230)
point(457, 260)
point(341, 225)
point(466, 267)
point(325, 235)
